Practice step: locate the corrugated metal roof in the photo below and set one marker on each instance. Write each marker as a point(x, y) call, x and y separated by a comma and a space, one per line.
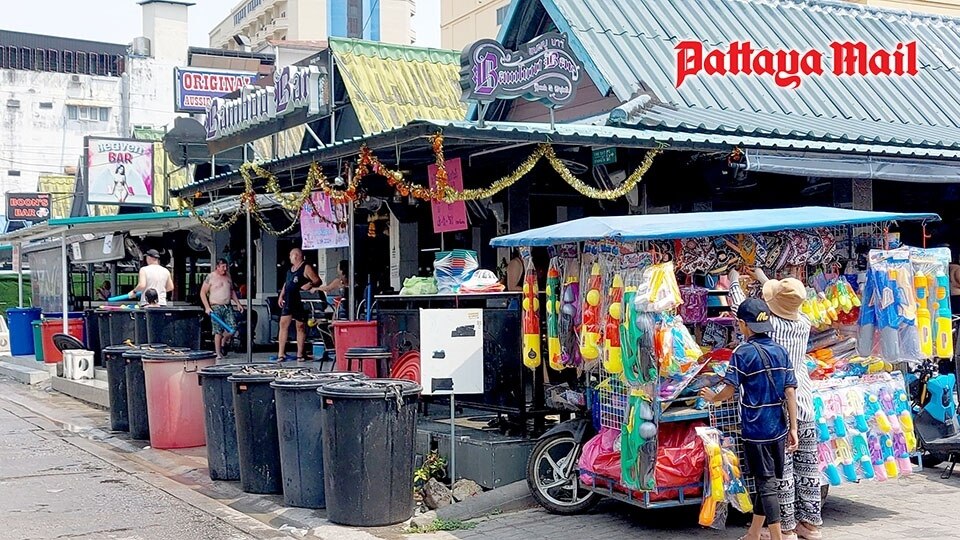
point(594, 135)
point(695, 119)
point(630, 44)
point(390, 85)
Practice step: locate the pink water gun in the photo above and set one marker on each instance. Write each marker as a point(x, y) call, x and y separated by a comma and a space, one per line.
point(890, 409)
point(835, 411)
point(828, 464)
point(845, 456)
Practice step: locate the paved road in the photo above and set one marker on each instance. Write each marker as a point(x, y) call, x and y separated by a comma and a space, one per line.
point(51, 489)
point(919, 506)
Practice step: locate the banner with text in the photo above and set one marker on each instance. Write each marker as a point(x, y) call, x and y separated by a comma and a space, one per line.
point(119, 171)
point(449, 217)
point(323, 223)
point(194, 88)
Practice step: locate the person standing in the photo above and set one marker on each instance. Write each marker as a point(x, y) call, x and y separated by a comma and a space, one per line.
point(104, 292)
point(218, 297)
point(154, 276)
point(761, 369)
point(515, 270)
point(340, 286)
point(301, 277)
point(799, 488)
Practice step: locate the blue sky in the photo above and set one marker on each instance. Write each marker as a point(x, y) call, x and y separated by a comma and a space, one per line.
point(118, 21)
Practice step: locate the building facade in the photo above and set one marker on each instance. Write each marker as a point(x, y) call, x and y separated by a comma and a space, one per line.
point(56, 91)
point(464, 21)
point(262, 21)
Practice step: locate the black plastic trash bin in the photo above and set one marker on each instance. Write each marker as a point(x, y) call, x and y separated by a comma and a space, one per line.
point(137, 390)
point(177, 326)
point(300, 429)
point(117, 386)
point(219, 420)
point(369, 430)
point(140, 326)
point(91, 335)
point(258, 444)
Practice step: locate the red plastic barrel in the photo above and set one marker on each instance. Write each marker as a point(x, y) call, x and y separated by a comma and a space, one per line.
point(350, 334)
point(175, 397)
point(48, 328)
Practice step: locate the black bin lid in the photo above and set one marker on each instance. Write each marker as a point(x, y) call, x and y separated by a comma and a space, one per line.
point(311, 380)
point(369, 388)
point(225, 370)
point(261, 374)
point(116, 349)
point(177, 355)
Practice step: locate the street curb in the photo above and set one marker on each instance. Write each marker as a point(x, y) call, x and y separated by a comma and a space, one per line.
point(509, 498)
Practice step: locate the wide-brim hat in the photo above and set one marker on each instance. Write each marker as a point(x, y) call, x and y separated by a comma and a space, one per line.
point(784, 297)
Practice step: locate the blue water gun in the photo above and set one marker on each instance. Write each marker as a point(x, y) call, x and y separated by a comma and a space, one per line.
point(861, 454)
point(823, 429)
point(872, 404)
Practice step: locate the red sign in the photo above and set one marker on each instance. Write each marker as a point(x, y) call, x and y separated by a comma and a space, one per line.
point(788, 67)
point(32, 207)
point(449, 217)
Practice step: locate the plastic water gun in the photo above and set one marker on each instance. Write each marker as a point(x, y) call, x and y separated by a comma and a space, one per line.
point(553, 318)
point(861, 455)
point(637, 464)
point(835, 412)
point(590, 330)
point(122, 297)
point(876, 456)
point(226, 327)
point(944, 344)
point(906, 419)
point(823, 428)
point(827, 307)
point(611, 333)
point(855, 409)
point(902, 455)
point(569, 312)
point(845, 456)
point(828, 464)
point(708, 510)
point(630, 337)
point(531, 320)
point(872, 406)
point(886, 401)
point(736, 488)
point(923, 316)
point(889, 461)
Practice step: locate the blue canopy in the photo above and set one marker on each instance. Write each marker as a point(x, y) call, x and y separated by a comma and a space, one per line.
point(696, 224)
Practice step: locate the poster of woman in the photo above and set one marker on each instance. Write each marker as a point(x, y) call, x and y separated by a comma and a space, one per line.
point(119, 171)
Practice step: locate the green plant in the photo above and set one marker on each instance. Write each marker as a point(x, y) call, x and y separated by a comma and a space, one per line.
point(444, 525)
point(434, 466)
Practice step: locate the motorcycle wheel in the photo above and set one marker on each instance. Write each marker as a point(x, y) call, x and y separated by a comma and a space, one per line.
point(553, 476)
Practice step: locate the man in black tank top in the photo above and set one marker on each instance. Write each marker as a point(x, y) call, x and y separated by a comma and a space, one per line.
point(300, 277)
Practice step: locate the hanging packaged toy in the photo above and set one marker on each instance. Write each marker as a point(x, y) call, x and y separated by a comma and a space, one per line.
point(658, 291)
point(590, 315)
point(613, 353)
point(531, 313)
point(638, 444)
point(553, 315)
point(570, 306)
point(723, 478)
point(888, 316)
point(678, 355)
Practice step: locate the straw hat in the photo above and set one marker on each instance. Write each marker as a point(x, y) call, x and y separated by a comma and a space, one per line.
point(784, 297)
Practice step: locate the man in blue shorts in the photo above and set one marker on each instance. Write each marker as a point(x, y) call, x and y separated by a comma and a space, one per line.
point(762, 371)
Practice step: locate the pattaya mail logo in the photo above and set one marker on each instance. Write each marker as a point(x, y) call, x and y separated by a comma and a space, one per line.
point(789, 67)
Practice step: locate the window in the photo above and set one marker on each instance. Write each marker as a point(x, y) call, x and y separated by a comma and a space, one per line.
point(40, 60)
point(13, 59)
point(46, 105)
point(501, 14)
point(26, 58)
point(81, 62)
point(68, 65)
point(53, 60)
point(88, 114)
point(13, 103)
point(355, 18)
point(13, 173)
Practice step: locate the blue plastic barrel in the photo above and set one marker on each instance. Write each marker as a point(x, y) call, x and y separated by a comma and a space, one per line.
point(21, 333)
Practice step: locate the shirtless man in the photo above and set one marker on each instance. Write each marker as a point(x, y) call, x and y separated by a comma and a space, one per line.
point(217, 294)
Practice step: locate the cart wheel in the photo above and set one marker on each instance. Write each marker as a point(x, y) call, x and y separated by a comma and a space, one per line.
point(824, 491)
point(552, 475)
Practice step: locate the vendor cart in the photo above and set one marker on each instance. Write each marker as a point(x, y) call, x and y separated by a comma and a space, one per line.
point(704, 245)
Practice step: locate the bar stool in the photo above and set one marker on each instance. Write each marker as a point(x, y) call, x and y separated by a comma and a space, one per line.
point(380, 355)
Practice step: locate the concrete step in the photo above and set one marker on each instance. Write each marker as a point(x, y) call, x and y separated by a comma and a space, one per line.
point(26, 375)
point(30, 362)
point(100, 374)
point(89, 390)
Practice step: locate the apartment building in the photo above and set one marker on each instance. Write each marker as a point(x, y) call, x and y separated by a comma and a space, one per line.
point(263, 21)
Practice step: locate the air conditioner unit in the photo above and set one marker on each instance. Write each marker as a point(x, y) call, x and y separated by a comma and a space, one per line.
point(75, 78)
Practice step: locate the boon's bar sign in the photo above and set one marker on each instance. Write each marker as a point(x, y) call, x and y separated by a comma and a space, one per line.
point(294, 87)
point(544, 69)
